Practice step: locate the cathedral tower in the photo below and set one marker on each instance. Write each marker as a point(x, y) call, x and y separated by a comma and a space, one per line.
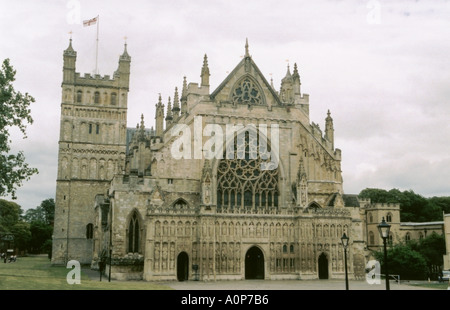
point(92, 145)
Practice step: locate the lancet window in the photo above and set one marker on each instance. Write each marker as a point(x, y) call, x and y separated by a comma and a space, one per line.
point(133, 234)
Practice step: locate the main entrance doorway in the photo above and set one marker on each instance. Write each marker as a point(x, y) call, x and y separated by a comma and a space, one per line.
point(323, 266)
point(182, 266)
point(254, 264)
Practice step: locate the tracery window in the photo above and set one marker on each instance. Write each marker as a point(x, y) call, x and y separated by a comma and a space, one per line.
point(133, 234)
point(241, 183)
point(247, 92)
point(180, 204)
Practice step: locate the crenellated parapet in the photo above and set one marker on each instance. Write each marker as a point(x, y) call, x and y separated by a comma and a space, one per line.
point(393, 206)
point(330, 212)
point(98, 80)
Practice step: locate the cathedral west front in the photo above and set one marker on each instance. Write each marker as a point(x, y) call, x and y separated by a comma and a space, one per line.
point(233, 182)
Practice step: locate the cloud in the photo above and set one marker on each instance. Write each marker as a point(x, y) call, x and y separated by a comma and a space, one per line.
point(386, 84)
point(428, 178)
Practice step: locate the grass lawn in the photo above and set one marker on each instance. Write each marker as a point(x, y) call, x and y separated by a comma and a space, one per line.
point(439, 286)
point(36, 273)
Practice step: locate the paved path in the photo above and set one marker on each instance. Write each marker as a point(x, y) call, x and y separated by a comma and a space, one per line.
point(274, 284)
point(287, 285)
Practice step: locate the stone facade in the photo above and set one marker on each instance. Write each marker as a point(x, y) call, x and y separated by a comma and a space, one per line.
point(92, 147)
point(399, 231)
point(374, 215)
point(236, 183)
point(447, 241)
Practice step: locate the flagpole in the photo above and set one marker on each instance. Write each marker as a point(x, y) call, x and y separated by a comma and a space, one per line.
point(96, 49)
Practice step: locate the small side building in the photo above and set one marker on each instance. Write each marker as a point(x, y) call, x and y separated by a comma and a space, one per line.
point(447, 241)
point(418, 231)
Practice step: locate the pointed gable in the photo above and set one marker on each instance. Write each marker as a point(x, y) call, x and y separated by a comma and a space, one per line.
point(246, 85)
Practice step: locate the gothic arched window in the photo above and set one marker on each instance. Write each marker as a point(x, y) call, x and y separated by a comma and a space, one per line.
point(97, 97)
point(89, 231)
point(371, 238)
point(389, 217)
point(241, 182)
point(79, 96)
point(247, 92)
point(134, 234)
point(180, 204)
point(390, 238)
point(407, 237)
point(113, 98)
point(314, 206)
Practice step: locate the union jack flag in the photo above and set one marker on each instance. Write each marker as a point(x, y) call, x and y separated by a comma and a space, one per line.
point(90, 22)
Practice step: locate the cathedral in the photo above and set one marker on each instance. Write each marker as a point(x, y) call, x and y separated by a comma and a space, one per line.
point(232, 183)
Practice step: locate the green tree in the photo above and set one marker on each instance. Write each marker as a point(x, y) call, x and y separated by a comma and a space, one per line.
point(9, 215)
point(403, 261)
point(41, 220)
point(14, 112)
point(432, 248)
point(11, 223)
point(442, 202)
point(413, 207)
point(48, 207)
point(22, 235)
point(39, 234)
point(45, 212)
point(32, 215)
point(375, 195)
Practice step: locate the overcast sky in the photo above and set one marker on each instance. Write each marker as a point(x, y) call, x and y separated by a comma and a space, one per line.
point(381, 67)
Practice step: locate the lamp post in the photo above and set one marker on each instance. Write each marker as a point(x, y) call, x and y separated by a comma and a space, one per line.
point(110, 265)
point(344, 240)
point(384, 229)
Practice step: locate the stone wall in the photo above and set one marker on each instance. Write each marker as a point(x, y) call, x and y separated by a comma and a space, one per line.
point(92, 145)
point(447, 241)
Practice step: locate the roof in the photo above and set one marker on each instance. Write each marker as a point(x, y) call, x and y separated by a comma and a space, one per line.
point(333, 198)
point(351, 200)
point(257, 73)
point(130, 133)
point(421, 223)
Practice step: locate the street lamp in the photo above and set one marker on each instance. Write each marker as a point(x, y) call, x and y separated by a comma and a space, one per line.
point(384, 228)
point(110, 264)
point(344, 240)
